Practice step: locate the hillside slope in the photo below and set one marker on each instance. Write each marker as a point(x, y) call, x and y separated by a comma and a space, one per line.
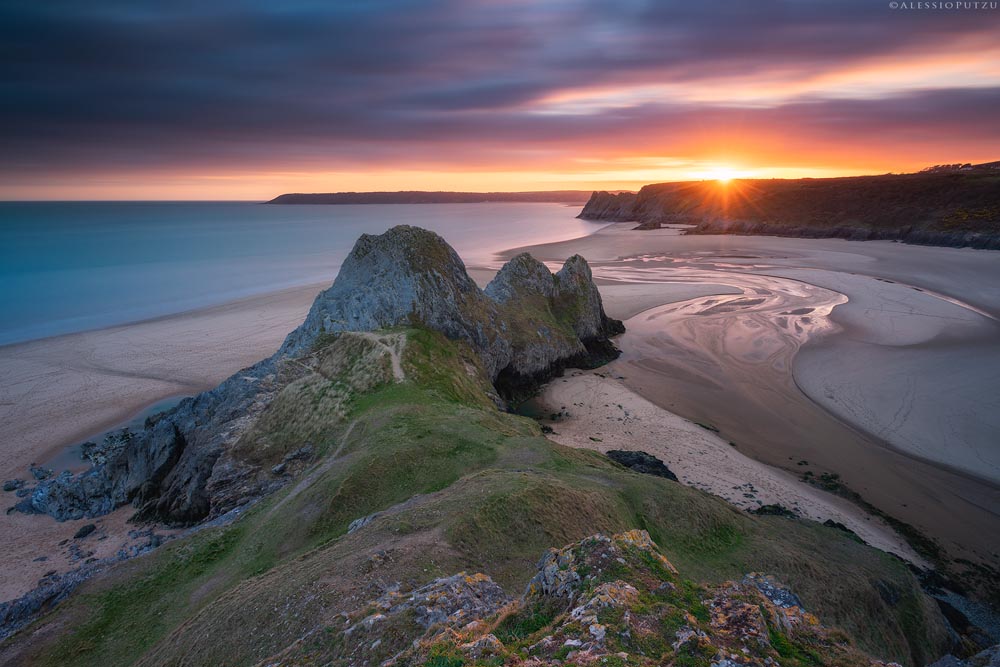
point(376, 464)
point(947, 208)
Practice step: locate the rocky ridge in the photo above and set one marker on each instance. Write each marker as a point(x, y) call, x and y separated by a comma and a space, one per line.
point(954, 208)
point(220, 449)
point(604, 600)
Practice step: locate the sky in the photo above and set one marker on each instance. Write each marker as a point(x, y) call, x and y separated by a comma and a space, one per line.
point(231, 99)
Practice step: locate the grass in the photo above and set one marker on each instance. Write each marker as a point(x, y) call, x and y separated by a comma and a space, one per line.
point(460, 486)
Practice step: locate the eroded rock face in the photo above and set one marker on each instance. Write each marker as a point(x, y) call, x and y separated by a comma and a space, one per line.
point(405, 277)
point(603, 600)
point(200, 459)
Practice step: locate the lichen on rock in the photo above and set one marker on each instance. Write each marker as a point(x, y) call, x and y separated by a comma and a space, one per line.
point(603, 600)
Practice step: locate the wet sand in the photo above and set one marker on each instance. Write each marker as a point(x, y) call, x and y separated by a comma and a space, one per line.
point(595, 405)
point(775, 342)
point(875, 361)
point(58, 391)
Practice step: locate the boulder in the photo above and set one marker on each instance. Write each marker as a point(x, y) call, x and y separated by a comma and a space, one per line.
point(641, 462)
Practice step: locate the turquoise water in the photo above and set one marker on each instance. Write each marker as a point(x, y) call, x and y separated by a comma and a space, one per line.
point(73, 266)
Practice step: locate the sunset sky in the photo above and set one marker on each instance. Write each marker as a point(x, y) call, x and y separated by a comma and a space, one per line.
point(244, 100)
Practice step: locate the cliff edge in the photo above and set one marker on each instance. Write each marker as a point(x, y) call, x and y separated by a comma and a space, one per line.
point(955, 208)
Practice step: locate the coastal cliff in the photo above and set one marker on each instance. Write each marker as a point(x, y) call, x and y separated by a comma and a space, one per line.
point(181, 468)
point(360, 499)
point(957, 208)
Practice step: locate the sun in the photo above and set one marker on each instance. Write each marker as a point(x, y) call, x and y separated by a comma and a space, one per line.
point(721, 174)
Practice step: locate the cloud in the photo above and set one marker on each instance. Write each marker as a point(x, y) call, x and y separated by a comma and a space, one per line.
point(116, 85)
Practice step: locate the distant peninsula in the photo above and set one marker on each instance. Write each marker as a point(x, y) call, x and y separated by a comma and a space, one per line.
point(954, 205)
point(422, 197)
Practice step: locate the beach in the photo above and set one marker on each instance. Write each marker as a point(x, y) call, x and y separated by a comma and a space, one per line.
point(873, 362)
point(747, 363)
point(59, 391)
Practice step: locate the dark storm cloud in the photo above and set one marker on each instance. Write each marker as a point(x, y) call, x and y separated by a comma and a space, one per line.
point(141, 83)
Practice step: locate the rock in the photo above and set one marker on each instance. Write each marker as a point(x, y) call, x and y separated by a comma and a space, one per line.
point(110, 446)
point(520, 277)
point(772, 590)
point(13, 484)
point(358, 524)
point(774, 510)
point(641, 462)
point(448, 604)
point(989, 657)
point(40, 473)
point(623, 609)
point(183, 468)
point(301, 454)
point(484, 647)
point(84, 531)
point(619, 207)
point(404, 276)
point(279, 469)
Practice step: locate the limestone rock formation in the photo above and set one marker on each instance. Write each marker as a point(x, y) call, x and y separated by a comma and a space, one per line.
point(405, 277)
point(944, 208)
point(218, 450)
point(603, 600)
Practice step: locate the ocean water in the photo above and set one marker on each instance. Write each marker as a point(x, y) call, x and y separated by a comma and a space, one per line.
point(73, 266)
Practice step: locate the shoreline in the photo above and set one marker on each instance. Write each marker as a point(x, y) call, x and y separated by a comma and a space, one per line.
point(589, 404)
point(690, 373)
point(122, 370)
point(62, 390)
point(150, 359)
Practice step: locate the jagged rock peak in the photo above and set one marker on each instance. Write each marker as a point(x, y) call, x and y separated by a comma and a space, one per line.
point(520, 276)
point(405, 276)
point(579, 301)
point(185, 465)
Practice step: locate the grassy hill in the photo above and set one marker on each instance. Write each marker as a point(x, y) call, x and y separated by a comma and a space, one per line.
point(446, 483)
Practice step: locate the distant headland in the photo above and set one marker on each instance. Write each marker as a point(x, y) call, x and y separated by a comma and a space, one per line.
point(422, 197)
point(954, 205)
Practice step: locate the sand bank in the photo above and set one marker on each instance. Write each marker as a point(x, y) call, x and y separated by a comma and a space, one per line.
point(847, 322)
point(599, 412)
point(57, 391)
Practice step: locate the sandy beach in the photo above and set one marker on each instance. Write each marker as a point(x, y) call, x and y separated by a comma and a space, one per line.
point(58, 391)
point(596, 411)
point(875, 361)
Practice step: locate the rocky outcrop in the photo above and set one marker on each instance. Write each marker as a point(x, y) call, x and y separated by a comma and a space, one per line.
point(618, 207)
point(641, 462)
point(987, 658)
point(219, 449)
point(405, 277)
point(551, 321)
point(603, 600)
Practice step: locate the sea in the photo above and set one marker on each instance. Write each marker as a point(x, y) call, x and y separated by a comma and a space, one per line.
point(74, 266)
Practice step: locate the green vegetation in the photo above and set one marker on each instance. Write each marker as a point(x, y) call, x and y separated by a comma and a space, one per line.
point(458, 485)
